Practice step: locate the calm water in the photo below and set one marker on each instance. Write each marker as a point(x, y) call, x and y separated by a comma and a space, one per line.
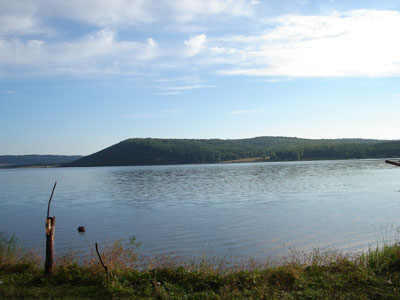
point(247, 210)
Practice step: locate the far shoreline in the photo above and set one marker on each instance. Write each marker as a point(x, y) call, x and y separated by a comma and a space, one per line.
point(237, 161)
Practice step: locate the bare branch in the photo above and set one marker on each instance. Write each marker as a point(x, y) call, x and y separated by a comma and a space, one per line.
point(51, 197)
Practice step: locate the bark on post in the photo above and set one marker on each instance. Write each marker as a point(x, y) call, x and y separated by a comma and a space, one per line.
point(50, 229)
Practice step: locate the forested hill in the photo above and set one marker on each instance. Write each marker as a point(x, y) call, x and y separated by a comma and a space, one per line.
point(151, 151)
point(36, 160)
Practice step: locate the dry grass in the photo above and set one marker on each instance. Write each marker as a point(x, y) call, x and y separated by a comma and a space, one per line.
point(317, 275)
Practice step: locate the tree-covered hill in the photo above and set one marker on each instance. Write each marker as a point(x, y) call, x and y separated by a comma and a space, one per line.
point(339, 150)
point(149, 151)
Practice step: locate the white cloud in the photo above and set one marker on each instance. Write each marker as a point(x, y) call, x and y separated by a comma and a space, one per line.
point(247, 112)
point(99, 52)
point(187, 10)
point(195, 44)
point(101, 13)
point(18, 25)
point(23, 16)
point(361, 43)
point(34, 41)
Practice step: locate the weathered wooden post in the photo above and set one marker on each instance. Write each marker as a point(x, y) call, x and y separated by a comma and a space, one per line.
point(50, 228)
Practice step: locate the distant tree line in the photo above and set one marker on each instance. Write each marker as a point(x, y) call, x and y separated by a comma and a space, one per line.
point(338, 151)
point(37, 160)
point(150, 151)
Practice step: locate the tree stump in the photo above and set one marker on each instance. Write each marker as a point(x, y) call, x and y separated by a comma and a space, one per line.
point(50, 228)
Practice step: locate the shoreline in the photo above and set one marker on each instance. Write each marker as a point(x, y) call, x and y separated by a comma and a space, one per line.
point(319, 275)
point(235, 161)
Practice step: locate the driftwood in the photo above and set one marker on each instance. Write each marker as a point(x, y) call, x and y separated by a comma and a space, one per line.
point(50, 229)
point(395, 163)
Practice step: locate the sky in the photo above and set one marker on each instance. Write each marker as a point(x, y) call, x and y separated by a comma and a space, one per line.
point(77, 76)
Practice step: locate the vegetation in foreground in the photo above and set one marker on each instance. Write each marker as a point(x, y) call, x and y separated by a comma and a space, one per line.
point(374, 275)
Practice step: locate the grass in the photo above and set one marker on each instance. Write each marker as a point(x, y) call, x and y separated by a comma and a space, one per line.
point(319, 275)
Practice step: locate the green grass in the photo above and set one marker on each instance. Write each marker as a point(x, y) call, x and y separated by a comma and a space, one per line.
point(319, 275)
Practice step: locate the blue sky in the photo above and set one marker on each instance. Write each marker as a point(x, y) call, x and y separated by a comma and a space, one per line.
point(80, 75)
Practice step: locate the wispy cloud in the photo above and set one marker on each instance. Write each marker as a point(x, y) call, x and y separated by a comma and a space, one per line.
point(27, 16)
point(195, 44)
point(188, 87)
point(247, 112)
point(175, 90)
point(166, 113)
point(273, 80)
point(169, 79)
point(19, 24)
point(98, 52)
point(168, 93)
point(188, 10)
point(358, 43)
point(11, 92)
point(32, 41)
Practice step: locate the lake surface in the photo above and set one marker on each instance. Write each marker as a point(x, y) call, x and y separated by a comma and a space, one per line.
point(259, 210)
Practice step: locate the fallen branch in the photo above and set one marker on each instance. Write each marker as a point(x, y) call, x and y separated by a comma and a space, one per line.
point(101, 260)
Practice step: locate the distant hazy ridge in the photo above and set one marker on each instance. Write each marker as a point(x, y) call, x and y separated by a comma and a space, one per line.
point(36, 160)
point(151, 151)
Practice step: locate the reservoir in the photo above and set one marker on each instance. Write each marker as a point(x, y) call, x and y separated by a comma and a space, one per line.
point(254, 210)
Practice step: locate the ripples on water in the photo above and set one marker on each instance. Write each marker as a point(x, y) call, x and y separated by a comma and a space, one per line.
point(249, 210)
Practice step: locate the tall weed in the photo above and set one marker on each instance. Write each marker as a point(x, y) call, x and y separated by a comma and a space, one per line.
point(12, 251)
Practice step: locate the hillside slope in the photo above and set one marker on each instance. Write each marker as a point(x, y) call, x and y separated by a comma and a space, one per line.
point(151, 151)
